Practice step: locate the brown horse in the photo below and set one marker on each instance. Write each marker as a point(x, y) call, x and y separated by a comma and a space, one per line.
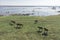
point(45, 33)
point(18, 26)
point(40, 29)
point(12, 22)
point(35, 21)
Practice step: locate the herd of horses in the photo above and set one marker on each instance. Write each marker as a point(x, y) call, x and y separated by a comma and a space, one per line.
point(43, 31)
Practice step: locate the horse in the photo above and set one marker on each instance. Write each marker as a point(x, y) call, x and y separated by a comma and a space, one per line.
point(18, 26)
point(45, 33)
point(40, 29)
point(35, 21)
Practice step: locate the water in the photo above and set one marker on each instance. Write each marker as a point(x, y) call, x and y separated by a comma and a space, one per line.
point(37, 11)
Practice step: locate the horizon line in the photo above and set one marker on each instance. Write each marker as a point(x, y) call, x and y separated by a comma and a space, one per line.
point(26, 6)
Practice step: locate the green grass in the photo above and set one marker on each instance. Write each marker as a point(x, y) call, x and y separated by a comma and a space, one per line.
point(28, 32)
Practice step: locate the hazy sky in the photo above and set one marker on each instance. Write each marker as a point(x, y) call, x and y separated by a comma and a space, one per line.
point(31, 2)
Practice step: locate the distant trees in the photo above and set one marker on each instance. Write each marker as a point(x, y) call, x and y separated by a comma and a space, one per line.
point(1, 15)
point(25, 14)
point(53, 8)
point(58, 11)
point(20, 14)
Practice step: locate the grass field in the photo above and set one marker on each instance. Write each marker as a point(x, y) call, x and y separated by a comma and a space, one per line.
point(29, 30)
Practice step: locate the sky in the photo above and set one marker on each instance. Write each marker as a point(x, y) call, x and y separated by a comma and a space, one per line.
point(31, 2)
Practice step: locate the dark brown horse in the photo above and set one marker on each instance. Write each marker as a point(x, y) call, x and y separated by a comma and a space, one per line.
point(35, 21)
point(12, 22)
point(18, 26)
point(40, 29)
point(45, 33)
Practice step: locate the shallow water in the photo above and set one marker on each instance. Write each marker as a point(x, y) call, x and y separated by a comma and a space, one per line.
point(37, 11)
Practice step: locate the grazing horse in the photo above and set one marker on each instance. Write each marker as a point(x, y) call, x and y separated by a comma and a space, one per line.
point(45, 29)
point(45, 33)
point(10, 24)
point(35, 22)
point(40, 29)
point(13, 21)
point(18, 26)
